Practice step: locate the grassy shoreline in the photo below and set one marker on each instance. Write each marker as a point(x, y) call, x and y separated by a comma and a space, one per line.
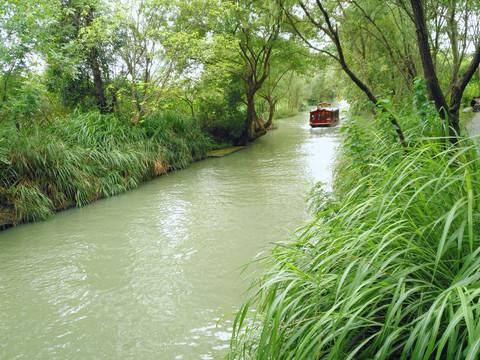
point(80, 158)
point(389, 268)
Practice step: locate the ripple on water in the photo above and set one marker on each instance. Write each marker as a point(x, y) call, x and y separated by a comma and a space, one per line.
point(149, 273)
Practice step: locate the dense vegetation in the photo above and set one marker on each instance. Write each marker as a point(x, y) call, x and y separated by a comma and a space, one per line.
point(80, 158)
point(97, 96)
point(389, 268)
point(92, 103)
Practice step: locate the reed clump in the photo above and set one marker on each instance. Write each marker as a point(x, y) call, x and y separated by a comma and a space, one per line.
point(390, 266)
point(79, 158)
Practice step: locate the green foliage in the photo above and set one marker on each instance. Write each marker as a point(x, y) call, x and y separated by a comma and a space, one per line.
point(320, 200)
point(82, 157)
point(183, 141)
point(284, 110)
point(93, 131)
point(425, 114)
point(22, 25)
point(222, 112)
point(30, 203)
point(328, 84)
point(388, 269)
point(23, 98)
point(74, 92)
point(420, 100)
point(472, 90)
point(473, 87)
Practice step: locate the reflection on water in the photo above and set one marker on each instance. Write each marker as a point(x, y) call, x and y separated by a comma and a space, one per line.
point(148, 274)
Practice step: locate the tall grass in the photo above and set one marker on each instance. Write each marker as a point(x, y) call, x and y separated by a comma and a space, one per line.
point(389, 268)
point(82, 157)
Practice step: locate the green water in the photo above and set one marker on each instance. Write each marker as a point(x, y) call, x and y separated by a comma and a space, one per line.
point(148, 274)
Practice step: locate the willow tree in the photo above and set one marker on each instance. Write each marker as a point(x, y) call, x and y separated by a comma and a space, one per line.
point(458, 17)
point(330, 28)
point(290, 61)
point(239, 37)
point(347, 31)
point(256, 30)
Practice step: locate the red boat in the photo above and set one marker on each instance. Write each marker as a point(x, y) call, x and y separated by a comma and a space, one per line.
point(324, 115)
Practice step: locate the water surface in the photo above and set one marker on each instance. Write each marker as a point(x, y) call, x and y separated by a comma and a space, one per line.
point(148, 274)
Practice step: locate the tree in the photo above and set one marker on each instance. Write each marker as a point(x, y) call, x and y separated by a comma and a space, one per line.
point(221, 109)
point(94, 64)
point(234, 36)
point(451, 38)
point(458, 83)
point(22, 36)
point(75, 53)
point(318, 17)
point(257, 39)
point(289, 60)
point(243, 43)
point(142, 35)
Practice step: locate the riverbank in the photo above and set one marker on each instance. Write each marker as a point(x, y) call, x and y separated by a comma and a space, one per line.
point(389, 267)
point(224, 152)
point(80, 158)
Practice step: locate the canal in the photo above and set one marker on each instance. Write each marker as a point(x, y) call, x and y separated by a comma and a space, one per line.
point(148, 274)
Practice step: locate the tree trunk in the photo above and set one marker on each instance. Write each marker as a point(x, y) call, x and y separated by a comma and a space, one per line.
point(115, 107)
point(5, 86)
point(248, 133)
point(97, 74)
point(97, 81)
point(271, 113)
point(257, 68)
point(251, 114)
point(433, 86)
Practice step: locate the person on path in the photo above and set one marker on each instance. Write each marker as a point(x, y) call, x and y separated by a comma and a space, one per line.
point(476, 107)
point(473, 102)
